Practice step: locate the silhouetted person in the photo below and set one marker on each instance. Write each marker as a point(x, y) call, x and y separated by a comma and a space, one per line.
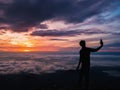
point(84, 61)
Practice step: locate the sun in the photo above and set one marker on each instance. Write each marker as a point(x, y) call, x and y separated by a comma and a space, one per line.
point(23, 45)
point(21, 42)
point(24, 42)
point(20, 39)
point(26, 50)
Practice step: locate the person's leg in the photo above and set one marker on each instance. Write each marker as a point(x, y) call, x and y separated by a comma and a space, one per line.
point(81, 77)
point(86, 85)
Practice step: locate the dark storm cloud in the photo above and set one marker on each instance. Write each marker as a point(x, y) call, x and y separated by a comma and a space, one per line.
point(22, 14)
point(4, 27)
point(71, 32)
point(65, 32)
point(55, 33)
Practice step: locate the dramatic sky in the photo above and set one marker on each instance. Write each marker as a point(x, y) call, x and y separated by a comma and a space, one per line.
point(59, 25)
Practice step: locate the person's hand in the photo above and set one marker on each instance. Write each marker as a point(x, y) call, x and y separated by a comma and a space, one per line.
point(101, 42)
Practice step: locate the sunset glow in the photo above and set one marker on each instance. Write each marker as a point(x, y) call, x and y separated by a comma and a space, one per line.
point(59, 30)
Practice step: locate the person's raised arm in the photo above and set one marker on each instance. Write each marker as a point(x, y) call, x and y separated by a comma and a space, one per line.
point(98, 48)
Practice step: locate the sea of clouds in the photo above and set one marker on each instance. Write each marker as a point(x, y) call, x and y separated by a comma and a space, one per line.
point(37, 63)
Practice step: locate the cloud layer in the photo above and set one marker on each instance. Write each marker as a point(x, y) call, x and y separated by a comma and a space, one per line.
point(37, 63)
point(58, 33)
point(21, 15)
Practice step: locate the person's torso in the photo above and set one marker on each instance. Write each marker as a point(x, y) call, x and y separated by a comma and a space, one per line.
point(85, 55)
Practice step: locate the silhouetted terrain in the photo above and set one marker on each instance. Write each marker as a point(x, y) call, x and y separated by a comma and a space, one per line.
point(60, 80)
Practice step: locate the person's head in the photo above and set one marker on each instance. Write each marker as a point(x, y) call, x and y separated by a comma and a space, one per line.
point(82, 43)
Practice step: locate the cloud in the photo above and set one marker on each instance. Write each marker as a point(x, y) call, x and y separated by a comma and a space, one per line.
point(115, 44)
point(54, 39)
point(24, 14)
point(42, 26)
point(35, 64)
point(4, 27)
point(6, 1)
point(56, 33)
